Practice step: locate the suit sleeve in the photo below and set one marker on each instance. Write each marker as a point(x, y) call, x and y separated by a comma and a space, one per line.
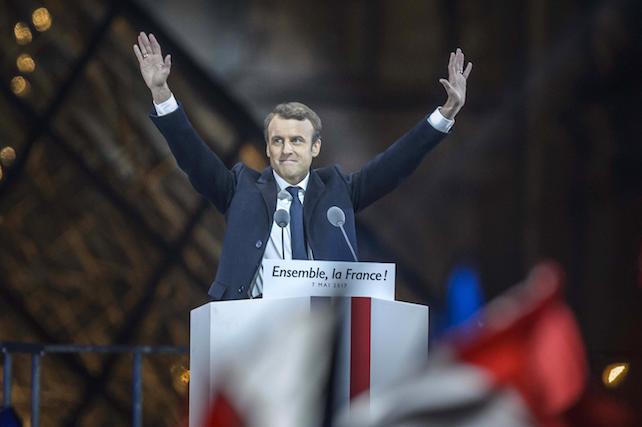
point(385, 172)
point(206, 172)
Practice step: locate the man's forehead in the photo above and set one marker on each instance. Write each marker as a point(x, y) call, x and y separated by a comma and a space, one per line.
point(282, 126)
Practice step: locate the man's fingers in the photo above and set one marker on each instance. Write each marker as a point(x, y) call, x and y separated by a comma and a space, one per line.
point(468, 69)
point(451, 65)
point(168, 60)
point(447, 85)
point(156, 49)
point(138, 54)
point(141, 45)
point(146, 44)
point(459, 60)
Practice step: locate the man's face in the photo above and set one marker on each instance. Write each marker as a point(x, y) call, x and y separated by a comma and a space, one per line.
point(290, 148)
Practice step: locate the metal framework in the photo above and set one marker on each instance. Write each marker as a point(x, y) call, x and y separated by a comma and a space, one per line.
point(38, 351)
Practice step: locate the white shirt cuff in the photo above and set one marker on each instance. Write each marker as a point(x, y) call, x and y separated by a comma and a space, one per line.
point(166, 107)
point(439, 122)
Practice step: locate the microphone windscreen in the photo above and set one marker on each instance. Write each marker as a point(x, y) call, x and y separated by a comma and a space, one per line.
point(284, 195)
point(336, 216)
point(282, 218)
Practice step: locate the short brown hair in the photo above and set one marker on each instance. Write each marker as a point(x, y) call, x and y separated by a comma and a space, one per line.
point(297, 111)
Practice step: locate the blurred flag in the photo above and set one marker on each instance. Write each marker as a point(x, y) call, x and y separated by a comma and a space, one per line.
point(464, 296)
point(531, 343)
point(285, 381)
point(525, 366)
point(224, 414)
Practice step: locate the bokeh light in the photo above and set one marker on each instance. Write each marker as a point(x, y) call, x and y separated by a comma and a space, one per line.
point(180, 375)
point(7, 156)
point(22, 33)
point(20, 85)
point(184, 377)
point(25, 63)
point(614, 374)
point(41, 19)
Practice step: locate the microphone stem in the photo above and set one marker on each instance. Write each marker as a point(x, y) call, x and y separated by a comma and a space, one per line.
point(349, 245)
point(282, 244)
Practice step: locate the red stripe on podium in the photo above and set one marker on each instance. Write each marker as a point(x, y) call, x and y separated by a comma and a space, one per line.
point(360, 346)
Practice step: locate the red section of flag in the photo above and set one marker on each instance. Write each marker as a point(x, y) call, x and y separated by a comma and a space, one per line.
point(223, 414)
point(530, 341)
point(360, 346)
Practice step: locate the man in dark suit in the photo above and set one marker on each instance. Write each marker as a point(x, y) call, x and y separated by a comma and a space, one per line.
point(249, 199)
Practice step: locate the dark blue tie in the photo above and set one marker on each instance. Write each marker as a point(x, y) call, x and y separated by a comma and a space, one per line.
point(296, 225)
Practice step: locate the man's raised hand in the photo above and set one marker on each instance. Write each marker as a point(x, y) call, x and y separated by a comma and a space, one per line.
point(153, 67)
point(456, 84)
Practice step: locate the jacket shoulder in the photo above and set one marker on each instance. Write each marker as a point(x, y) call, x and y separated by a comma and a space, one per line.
point(241, 169)
point(330, 172)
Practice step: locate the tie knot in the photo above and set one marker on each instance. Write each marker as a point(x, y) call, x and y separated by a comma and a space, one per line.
point(294, 191)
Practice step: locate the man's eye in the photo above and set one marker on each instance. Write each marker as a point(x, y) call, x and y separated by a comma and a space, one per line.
point(277, 141)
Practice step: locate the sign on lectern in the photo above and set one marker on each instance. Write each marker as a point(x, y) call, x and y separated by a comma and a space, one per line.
point(297, 278)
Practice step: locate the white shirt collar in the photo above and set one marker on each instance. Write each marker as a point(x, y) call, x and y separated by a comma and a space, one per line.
point(283, 184)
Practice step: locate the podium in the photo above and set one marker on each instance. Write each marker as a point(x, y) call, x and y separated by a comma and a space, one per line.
point(381, 342)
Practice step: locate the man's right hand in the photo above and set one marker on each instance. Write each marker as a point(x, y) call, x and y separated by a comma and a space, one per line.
point(153, 67)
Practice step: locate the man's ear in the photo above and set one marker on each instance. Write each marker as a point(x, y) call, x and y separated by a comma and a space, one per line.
point(267, 149)
point(316, 147)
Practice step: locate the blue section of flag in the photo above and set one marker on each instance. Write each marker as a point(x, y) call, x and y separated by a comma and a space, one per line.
point(464, 295)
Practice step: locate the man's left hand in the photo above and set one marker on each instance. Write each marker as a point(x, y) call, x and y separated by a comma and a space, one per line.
point(455, 85)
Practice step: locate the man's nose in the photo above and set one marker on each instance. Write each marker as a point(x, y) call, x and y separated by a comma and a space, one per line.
point(287, 147)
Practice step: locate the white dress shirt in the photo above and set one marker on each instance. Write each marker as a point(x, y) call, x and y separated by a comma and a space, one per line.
point(273, 248)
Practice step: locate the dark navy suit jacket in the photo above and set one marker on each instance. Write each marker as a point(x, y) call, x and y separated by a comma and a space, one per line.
point(247, 198)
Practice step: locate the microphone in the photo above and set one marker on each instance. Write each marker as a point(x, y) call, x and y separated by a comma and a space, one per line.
point(284, 195)
point(337, 218)
point(282, 219)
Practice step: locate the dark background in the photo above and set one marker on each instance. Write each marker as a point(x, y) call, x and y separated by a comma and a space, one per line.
point(102, 239)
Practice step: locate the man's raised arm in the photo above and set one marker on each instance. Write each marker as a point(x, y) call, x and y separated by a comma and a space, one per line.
point(386, 171)
point(207, 173)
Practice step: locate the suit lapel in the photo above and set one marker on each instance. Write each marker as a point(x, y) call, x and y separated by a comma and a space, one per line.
point(267, 186)
point(312, 196)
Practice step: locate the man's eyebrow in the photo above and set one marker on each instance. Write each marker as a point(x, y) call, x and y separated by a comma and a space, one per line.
point(291, 137)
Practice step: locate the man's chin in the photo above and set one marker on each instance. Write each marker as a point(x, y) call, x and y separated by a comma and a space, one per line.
point(289, 176)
